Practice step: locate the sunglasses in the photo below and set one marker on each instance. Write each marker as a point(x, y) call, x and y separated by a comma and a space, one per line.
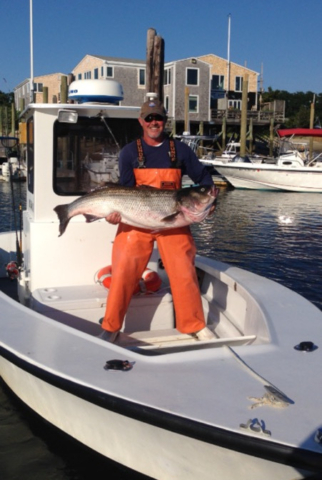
point(156, 118)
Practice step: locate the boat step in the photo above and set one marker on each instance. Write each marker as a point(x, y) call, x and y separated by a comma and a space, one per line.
point(172, 339)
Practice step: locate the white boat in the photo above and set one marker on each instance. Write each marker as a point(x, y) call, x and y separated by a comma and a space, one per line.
point(291, 172)
point(245, 405)
point(232, 151)
point(14, 168)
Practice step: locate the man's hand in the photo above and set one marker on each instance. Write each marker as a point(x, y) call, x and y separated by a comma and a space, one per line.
point(114, 218)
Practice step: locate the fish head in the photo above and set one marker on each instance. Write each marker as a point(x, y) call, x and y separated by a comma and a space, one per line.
point(195, 203)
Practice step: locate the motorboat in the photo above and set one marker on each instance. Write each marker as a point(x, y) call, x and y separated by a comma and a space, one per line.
point(246, 404)
point(13, 169)
point(293, 170)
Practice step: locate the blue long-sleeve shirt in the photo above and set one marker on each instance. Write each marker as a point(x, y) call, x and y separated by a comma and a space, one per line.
point(159, 157)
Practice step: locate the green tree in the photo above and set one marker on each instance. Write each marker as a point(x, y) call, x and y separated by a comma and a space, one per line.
point(297, 105)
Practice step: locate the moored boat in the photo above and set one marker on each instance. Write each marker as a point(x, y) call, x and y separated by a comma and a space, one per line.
point(244, 405)
point(291, 172)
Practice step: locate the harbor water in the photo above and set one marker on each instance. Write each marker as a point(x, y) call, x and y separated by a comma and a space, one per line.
point(276, 235)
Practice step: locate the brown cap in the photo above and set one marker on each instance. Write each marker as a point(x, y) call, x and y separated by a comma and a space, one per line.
point(152, 107)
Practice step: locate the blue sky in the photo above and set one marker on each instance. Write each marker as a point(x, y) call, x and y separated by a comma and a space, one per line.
point(283, 36)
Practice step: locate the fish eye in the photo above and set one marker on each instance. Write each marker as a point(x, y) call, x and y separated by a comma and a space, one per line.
point(202, 189)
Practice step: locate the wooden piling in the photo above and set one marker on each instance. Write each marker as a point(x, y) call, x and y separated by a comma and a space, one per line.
point(312, 113)
point(158, 66)
point(63, 89)
point(149, 59)
point(21, 104)
point(45, 95)
point(271, 137)
point(250, 135)
point(186, 110)
point(13, 120)
point(223, 133)
point(243, 120)
point(154, 64)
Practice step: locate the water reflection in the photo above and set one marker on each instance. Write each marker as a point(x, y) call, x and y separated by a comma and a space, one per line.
point(277, 235)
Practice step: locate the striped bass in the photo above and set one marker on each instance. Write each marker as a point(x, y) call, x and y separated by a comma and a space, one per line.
point(144, 207)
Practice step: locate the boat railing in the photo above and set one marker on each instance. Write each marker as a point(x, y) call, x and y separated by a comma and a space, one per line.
point(316, 159)
point(260, 115)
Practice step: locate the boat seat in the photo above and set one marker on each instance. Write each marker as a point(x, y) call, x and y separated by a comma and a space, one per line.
point(87, 302)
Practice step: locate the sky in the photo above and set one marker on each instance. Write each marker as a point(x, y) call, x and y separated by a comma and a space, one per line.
point(278, 38)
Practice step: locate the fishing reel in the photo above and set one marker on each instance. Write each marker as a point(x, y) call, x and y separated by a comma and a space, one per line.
point(12, 270)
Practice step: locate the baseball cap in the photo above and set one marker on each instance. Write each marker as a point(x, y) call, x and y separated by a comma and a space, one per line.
point(152, 107)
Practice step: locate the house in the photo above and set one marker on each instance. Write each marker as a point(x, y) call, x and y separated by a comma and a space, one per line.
point(187, 89)
point(130, 73)
point(22, 91)
point(227, 78)
point(195, 88)
point(184, 81)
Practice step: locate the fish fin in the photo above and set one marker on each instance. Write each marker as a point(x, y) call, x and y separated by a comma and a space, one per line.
point(91, 218)
point(170, 218)
point(62, 212)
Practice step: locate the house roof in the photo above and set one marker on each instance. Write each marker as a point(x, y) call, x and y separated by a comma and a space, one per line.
point(225, 60)
point(113, 60)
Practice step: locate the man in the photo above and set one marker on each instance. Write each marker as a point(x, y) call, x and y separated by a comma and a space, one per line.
point(159, 162)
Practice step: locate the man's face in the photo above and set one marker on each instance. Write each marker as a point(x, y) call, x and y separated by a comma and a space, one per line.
point(153, 126)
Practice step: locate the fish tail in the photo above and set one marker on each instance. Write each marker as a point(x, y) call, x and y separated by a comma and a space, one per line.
point(62, 212)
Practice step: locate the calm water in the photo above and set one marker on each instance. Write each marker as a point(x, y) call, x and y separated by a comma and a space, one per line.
point(277, 235)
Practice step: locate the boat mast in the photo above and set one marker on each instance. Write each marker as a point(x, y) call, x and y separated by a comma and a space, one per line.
point(31, 56)
point(228, 63)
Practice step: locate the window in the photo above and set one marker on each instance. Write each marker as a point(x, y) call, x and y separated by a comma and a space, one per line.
point(96, 73)
point(87, 75)
point(235, 104)
point(79, 76)
point(109, 72)
point(167, 77)
point(192, 76)
point(238, 84)
point(217, 82)
point(166, 103)
point(76, 144)
point(141, 76)
point(38, 87)
point(193, 103)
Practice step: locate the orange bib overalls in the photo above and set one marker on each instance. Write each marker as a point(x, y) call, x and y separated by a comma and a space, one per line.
point(131, 253)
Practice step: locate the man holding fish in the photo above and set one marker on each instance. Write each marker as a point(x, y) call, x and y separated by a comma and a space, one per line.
point(159, 162)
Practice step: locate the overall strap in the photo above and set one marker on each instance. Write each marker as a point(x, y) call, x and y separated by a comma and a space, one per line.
point(141, 158)
point(172, 153)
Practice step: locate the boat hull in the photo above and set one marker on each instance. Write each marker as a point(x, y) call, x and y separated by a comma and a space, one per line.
point(271, 177)
point(151, 442)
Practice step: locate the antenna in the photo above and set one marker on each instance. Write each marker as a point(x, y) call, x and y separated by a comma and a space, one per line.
point(228, 54)
point(31, 57)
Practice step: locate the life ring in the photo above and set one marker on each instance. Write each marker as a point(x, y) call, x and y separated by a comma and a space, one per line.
point(149, 282)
